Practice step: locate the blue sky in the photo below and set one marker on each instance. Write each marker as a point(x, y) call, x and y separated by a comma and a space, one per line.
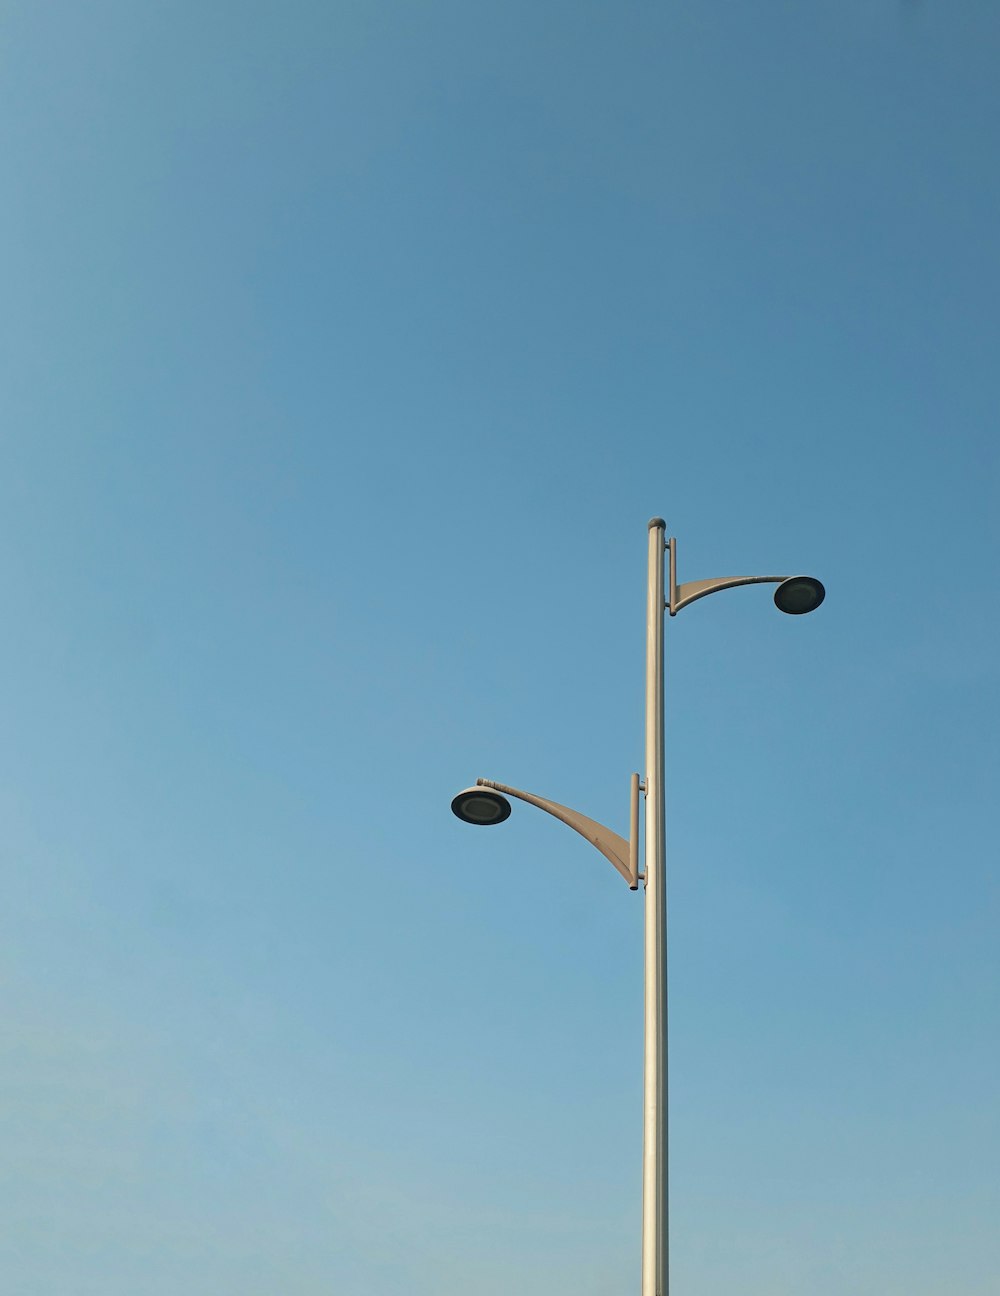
point(347, 349)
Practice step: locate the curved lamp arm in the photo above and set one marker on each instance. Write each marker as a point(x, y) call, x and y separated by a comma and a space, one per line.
point(682, 595)
point(622, 854)
point(679, 596)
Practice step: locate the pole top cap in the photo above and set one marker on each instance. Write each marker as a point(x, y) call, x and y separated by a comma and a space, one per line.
point(657, 522)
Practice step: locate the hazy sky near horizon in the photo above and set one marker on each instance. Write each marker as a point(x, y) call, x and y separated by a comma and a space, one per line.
point(347, 349)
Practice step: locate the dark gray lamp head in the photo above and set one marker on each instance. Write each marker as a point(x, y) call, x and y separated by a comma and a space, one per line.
point(799, 594)
point(479, 805)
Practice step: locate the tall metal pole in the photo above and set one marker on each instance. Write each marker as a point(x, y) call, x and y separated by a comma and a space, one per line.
point(655, 1244)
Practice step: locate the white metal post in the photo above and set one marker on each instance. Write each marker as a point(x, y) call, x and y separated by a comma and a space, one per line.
point(655, 1246)
point(795, 595)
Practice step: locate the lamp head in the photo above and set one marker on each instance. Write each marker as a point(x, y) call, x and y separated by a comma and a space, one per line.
point(479, 805)
point(799, 594)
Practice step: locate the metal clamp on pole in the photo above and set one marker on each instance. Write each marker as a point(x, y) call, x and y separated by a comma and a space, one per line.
point(633, 834)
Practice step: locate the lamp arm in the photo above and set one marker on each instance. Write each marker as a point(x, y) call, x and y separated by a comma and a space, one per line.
point(684, 594)
point(622, 854)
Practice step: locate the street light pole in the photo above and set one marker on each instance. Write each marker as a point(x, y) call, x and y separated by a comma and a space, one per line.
point(655, 1199)
point(486, 803)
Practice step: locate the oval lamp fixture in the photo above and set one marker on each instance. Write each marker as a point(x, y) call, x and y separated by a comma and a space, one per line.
point(799, 594)
point(479, 805)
